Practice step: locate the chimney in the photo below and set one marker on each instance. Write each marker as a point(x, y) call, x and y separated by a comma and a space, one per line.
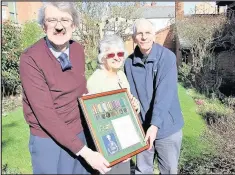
point(137, 4)
point(179, 9)
point(153, 3)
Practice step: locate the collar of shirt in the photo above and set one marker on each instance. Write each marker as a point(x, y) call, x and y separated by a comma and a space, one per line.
point(142, 59)
point(54, 51)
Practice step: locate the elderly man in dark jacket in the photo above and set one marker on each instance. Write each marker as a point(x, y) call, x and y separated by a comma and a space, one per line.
point(152, 73)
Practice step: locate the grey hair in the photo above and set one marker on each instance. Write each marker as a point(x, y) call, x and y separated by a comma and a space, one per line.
point(108, 42)
point(138, 23)
point(63, 6)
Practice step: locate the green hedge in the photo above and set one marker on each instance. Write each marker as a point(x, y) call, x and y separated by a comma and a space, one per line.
point(15, 39)
point(11, 49)
point(31, 32)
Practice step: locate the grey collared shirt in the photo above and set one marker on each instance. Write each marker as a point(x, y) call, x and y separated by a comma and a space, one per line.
point(54, 51)
point(144, 58)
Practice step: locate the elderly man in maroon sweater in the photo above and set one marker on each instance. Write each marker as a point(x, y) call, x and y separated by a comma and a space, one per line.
point(52, 75)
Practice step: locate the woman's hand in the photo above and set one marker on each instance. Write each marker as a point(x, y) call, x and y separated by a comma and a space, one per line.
point(135, 102)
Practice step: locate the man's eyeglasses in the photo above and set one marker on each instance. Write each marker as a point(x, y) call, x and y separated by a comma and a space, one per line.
point(52, 22)
point(112, 55)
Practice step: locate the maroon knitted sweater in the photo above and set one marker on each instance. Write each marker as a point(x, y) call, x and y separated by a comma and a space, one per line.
point(50, 96)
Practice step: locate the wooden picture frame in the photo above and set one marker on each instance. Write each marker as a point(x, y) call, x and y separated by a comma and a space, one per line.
point(114, 125)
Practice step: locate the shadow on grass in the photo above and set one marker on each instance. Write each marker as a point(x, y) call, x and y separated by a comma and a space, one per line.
point(9, 138)
point(9, 125)
point(7, 142)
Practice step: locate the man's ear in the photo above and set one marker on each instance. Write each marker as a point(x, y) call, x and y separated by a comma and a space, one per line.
point(44, 28)
point(133, 37)
point(73, 27)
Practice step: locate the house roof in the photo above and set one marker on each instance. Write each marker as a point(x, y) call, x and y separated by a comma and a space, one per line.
point(151, 12)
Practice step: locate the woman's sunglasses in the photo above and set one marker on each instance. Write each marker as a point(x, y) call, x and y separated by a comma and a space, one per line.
point(112, 55)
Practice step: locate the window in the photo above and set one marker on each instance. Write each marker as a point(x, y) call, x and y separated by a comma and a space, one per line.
point(12, 17)
point(4, 14)
point(12, 11)
point(4, 3)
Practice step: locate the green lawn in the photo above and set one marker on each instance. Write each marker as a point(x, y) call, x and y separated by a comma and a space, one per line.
point(193, 145)
point(15, 133)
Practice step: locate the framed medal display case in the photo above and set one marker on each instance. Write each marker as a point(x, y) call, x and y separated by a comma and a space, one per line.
point(114, 125)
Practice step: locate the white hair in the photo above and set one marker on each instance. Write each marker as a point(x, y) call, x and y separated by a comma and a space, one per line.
point(63, 6)
point(139, 22)
point(109, 41)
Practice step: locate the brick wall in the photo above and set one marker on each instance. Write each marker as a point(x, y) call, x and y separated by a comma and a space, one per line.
point(162, 35)
point(165, 37)
point(27, 11)
point(24, 11)
point(130, 45)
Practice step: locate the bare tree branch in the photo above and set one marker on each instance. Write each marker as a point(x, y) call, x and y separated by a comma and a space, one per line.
point(99, 18)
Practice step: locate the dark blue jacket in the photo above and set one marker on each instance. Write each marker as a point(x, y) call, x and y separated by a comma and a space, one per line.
point(154, 84)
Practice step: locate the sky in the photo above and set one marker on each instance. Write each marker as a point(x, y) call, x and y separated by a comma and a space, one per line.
point(188, 6)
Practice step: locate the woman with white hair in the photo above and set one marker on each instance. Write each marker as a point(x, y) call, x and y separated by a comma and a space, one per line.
point(108, 76)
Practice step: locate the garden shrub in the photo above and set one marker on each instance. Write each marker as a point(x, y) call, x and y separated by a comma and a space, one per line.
point(230, 102)
point(195, 95)
point(212, 110)
point(15, 39)
point(91, 60)
point(11, 50)
point(222, 135)
point(184, 75)
point(31, 33)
